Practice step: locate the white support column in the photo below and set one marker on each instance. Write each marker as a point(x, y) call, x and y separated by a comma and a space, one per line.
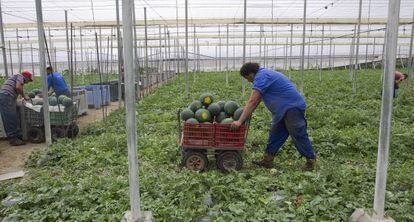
point(244, 43)
point(186, 49)
point(302, 59)
point(3, 44)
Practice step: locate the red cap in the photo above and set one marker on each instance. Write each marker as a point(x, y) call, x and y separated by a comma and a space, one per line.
point(28, 75)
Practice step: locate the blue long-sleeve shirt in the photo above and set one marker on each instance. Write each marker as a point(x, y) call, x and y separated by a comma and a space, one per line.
point(57, 82)
point(278, 93)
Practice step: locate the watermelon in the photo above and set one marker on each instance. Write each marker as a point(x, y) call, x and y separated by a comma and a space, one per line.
point(220, 117)
point(37, 101)
point(221, 104)
point(53, 101)
point(37, 91)
point(203, 115)
point(61, 98)
point(186, 114)
point(214, 109)
point(195, 105)
point(227, 121)
point(230, 107)
point(206, 99)
point(31, 95)
point(238, 113)
point(191, 120)
point(67, 102)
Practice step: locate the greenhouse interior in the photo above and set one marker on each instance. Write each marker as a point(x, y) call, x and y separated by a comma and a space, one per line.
point(186, 110)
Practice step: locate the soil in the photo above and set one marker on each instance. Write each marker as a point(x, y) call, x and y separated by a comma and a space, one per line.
point(13, 158)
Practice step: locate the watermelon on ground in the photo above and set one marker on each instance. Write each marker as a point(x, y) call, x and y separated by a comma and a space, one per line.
point(203, 115)
point(186, 114)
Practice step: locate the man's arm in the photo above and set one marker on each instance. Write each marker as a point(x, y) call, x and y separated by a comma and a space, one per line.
point(251, 105)
point(20, 91)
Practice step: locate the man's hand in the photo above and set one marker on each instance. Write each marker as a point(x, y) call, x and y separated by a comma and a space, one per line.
point(235, 125)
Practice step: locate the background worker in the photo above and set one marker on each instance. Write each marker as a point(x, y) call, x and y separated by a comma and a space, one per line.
point(11, 88)
point(287, 106)
point(398, 78)
point(56, 81)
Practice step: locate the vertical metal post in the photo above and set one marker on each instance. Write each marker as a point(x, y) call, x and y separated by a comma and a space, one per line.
point(146, 50)
point(302, 59)
point(131, 125)
point(177, 52)
point(308, 60)
point(264, 52)
point(285, 63)
point(71, 64)
point(321, 62)
point(351, 54)
point(167, 59)
point(356, 66)
point(272, 31)
point(244, 42)
point(227, 55)
point(18, 50)
point(42, 64)
point(260, 41)
point(186, 48)
point(194, 54)
point(55, 54)
point(81, 48)
point(169, 52)
point(3, 44)
point(67, 38)
point(112, 50)
point(373, 54)
point(31, 56)
point(11, 59)
point(120, 64)
point(219, 50)
point(410, 52)
point(161, 65)
point(333, 57)
point(291, 48)
point(330, 53)
point(386, 108)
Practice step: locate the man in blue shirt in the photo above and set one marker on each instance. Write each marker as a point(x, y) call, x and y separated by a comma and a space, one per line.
point(56, 81)
point(287, 106)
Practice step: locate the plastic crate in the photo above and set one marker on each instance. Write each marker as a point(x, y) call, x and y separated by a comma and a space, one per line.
point(32, 117)
point(94, 96)
point(2, 131)
point(113, 89)
point(64, 118)
point(227, 138)
point(79, 96)
point(198, 135)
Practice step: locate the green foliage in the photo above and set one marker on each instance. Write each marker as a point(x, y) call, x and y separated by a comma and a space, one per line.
point(87, 179)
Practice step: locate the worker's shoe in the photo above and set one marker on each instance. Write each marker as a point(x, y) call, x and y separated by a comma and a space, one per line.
point(17, 142)
point(309, 165)
point(266, 162)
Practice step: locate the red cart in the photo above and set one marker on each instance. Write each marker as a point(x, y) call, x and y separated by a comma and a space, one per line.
point(198, 139)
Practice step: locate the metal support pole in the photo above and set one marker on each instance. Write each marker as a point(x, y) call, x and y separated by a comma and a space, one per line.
point(351, 54)
point(11, 59)
point(130, 100)
point(321, 62)
point(260, 42)
point(194, 52)
point(356, 66)
point(302, 59)
point(330, 53)
point(308, 60)
point(291, 47)
point(19, 58)
point(146, 50)
point(410, 52)
point(178, 40)
point(333, 57)
point(227, 54)
point(120, 64)
point(386, 108)
point(161, 65)
point(244, 42)
point(169, 52)
point(67, 39)
point(186, 48)
point(167, 59)
point(373, 54)
point(3, 44)
point(71, 64)
point(81, 48)
point(31, 56)
point(42, 64)
point(264, 52)
point(219, 49)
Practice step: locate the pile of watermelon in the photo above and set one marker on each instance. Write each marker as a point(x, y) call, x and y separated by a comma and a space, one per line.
point(205, 110)
point(36, 97)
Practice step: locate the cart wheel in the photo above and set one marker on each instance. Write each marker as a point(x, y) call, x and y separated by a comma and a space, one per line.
point(36, 135)
point(72, 131)
point(228, 161)
point(195, 160)
point(57, 133)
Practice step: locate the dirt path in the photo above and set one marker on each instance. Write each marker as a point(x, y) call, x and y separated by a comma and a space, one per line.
point(13, 158)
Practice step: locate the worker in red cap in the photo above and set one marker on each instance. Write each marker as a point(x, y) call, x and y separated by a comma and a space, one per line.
point(11, 88)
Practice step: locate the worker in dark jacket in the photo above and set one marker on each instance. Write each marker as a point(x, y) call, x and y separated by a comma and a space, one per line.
point(288, 113)
point(56, 81)
point(11, 88)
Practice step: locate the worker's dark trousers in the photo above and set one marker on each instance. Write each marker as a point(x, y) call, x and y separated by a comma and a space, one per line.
point(293, 124)
point(9, 115)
